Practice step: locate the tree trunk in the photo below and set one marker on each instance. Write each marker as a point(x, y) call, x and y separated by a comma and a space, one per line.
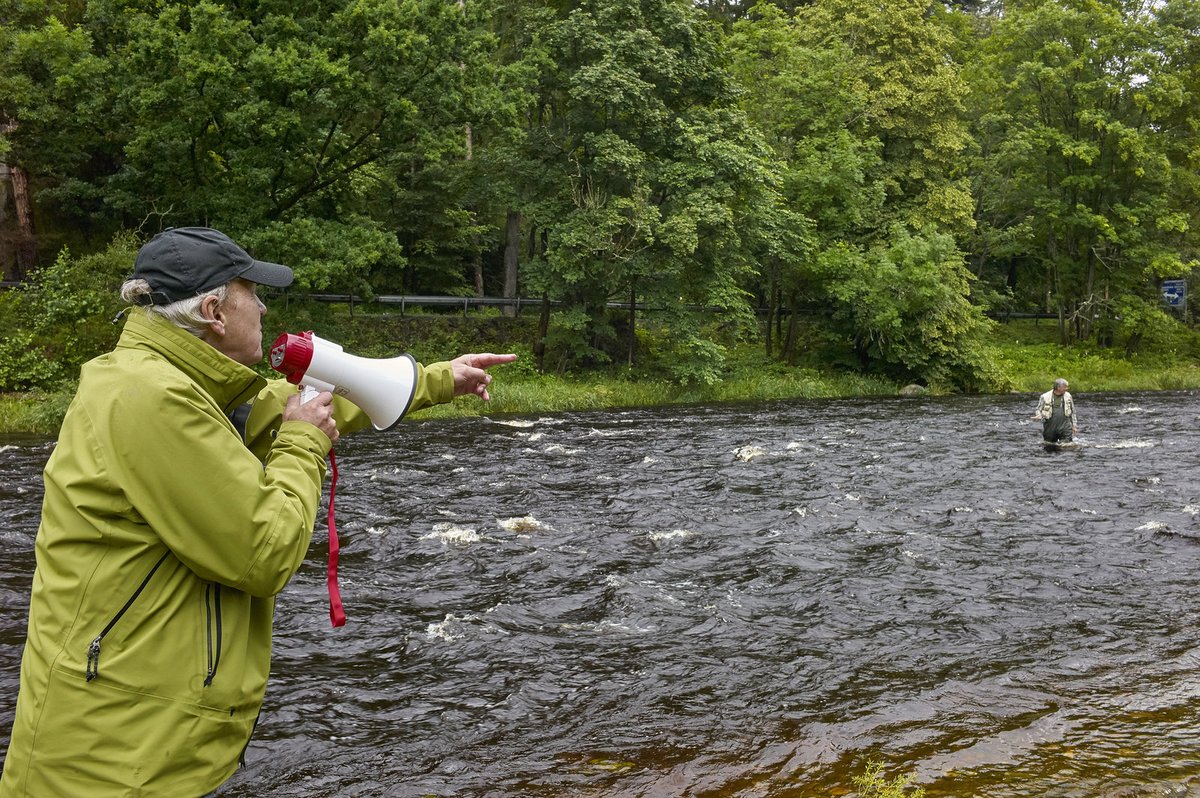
point(469, 153)
point(789, 345)
point(1085, 319)
point(477, 270)
point(770, 340)
point(512, 244)
point(26, 243)
point(539, 346)
point(632, 321)
point(779, 313)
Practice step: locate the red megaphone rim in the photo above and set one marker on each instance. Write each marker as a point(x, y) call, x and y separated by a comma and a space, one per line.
point(291, 355)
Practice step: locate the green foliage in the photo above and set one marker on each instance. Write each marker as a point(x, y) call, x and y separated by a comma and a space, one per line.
point(1032, 359)
point(862, 108)
point(911, 94)
point(1142, 324)
point(905, 308)
point(872, 784)
point(247, 116)
point(429, 337)
point(22, 363)
point(1085, 186)
point(1027, 357)
point(652, 180)
point(801, 155)
point(37, 412)
point(62, 317)
point(697, 361)
point(326, 255)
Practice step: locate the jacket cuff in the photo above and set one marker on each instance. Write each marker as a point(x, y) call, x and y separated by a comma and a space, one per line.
point(439, 382)
point(306, 436)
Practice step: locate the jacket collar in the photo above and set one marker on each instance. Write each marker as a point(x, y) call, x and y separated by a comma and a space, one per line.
point(227, 381)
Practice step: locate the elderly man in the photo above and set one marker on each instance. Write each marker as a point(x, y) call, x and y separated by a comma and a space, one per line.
point(1056, 410)
point(167, 529)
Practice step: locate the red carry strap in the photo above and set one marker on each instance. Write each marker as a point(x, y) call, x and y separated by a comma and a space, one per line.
point(336, 614)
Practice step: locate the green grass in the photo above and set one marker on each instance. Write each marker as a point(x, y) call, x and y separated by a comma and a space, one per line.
point(1028, 353)
point(1032, 358)
point(1031, 369)
point(1034, 368)
point(38, 413)
point(525, 393)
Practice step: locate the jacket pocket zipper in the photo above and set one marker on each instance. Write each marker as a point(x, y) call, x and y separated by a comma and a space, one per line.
point(213, 629)
point(93, 654)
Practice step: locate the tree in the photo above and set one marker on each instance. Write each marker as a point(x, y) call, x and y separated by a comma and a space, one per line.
point(276, 121)
point(806, 99)
point(1086, 115)
point(861, 104)
point(903, 304)
point(902, 52)
point(648, 178)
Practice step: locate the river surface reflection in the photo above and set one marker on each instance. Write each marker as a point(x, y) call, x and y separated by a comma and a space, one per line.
point(743, 600)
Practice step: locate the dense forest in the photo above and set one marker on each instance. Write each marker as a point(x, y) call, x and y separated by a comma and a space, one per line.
point(881, 178)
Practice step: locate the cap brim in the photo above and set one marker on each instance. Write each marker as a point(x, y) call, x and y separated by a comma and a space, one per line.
point(270, 274)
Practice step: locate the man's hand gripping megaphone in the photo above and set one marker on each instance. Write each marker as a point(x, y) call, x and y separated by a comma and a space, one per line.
point(316, 408)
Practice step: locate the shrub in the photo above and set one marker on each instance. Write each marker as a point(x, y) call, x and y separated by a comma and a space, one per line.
point(61, 317)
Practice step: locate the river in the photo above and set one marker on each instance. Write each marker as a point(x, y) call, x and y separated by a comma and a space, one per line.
point(750, 600)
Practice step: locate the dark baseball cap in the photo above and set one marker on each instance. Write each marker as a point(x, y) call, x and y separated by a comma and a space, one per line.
point(181, 262)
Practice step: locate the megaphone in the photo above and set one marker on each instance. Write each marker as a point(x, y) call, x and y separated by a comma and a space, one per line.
point(383, 388)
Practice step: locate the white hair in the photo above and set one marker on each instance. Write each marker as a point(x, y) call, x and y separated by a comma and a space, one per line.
point(184, 314)
point(1060, 383)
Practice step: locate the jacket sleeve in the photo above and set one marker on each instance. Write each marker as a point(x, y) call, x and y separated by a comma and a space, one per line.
point(266, 415)
point(227, 516)
point(435, 385)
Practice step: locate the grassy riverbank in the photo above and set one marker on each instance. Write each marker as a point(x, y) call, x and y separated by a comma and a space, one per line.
point(517, 392)
point(1026, 351)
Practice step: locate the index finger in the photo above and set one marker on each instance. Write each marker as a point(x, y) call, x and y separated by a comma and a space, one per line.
point(487, 360)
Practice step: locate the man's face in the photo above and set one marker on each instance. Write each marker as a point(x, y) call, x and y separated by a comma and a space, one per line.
point(1059, 390)
point(242, 314)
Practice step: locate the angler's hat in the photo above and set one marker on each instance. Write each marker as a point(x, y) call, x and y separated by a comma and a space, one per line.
point(181, 262)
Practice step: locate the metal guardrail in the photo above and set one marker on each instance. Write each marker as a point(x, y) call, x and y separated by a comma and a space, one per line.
point(468, 302)
point(404, 300)
point(464, 302)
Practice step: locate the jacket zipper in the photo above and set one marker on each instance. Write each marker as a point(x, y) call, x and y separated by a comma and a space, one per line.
point(93, 654)
point(213, 625)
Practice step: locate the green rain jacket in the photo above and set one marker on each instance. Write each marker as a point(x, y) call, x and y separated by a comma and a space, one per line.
point(163, 541)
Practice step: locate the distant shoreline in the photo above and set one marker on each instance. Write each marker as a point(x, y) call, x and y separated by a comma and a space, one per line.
point(40, 413)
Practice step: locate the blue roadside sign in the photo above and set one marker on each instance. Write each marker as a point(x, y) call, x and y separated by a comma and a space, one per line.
point(1175, 292)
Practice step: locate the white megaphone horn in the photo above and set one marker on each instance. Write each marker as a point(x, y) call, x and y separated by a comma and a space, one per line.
point(383, 388)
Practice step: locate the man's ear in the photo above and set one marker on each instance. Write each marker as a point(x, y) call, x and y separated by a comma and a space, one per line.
point(210, 310)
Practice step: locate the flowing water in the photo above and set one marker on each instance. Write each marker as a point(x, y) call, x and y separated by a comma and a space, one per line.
point(745, 600)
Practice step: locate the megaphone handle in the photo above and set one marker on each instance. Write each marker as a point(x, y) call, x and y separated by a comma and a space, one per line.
point(311, 387)
point(337, 615)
